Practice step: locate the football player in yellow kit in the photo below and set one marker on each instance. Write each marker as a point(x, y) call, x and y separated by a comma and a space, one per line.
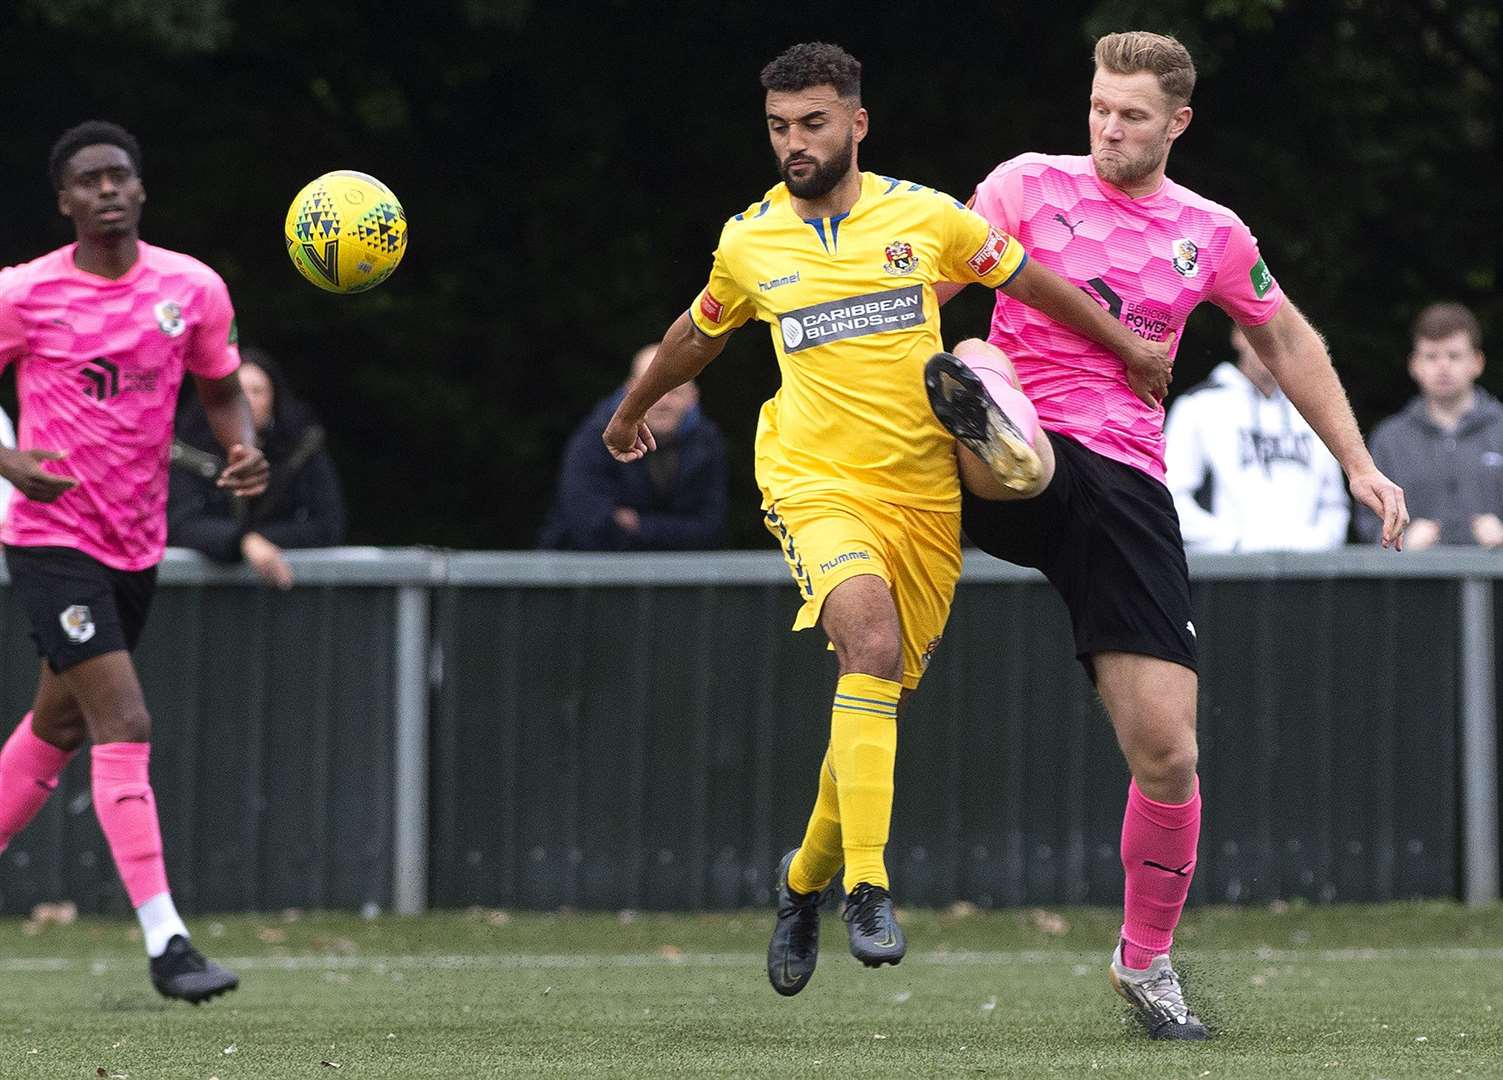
point(859, 481)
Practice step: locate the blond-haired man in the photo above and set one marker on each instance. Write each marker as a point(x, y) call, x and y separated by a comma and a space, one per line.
point(1099, 522)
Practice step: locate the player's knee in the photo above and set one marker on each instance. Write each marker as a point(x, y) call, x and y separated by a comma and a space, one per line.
point(131, 724)
point(977, 349)
point(874, 651)
point(1168, 764)
point(64, 729)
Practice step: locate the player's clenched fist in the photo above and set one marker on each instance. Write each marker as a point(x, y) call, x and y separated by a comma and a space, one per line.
point(628, 441)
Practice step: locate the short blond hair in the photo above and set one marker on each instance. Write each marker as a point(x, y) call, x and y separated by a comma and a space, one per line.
point(1138, 50)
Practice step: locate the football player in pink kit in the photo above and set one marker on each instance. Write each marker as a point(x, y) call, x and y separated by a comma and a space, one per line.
point(100, 333)
point(1099, 522)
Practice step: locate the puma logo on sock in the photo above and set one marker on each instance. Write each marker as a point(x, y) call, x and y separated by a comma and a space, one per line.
point(123, 798)
point(1183, 870)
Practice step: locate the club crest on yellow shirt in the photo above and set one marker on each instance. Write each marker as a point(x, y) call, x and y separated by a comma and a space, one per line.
point(900, 258)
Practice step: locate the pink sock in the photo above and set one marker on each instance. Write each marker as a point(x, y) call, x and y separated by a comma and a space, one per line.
point(127, 812)
point(29, 768)
point(1008, 397)
point(1158, 853)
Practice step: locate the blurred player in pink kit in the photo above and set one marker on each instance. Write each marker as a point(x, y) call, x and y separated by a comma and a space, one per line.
point(1099, 522)
point(100, 333)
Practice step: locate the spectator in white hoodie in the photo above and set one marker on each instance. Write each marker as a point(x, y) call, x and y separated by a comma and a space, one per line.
point(7, 438)
point(1246, 470)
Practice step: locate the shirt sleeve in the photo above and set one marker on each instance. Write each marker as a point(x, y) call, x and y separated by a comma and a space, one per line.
point(1244, 287)
point(721, 305)
point(215, 352)
point(12, 334)
point(976, 250)
point(999, 198)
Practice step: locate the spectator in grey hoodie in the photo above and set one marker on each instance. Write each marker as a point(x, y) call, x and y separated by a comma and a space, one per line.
point(1445, 448)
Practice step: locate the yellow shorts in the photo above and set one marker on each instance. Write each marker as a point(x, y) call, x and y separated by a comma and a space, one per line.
point(830, 537)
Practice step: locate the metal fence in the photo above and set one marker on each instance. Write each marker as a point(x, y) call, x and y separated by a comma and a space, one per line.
point(408, 728)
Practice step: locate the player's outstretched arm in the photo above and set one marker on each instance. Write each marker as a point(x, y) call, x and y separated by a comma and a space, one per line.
point(1290, 348)
point(230, 419)
point(683, 354)
point(1148, 362)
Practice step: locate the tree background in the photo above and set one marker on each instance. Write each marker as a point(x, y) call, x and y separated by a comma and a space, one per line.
point(566, 168)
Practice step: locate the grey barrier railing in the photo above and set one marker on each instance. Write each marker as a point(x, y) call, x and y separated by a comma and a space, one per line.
point(414, 727)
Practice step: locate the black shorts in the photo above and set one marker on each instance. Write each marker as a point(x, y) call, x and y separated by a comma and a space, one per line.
point(79, 608)
point(1106, 536)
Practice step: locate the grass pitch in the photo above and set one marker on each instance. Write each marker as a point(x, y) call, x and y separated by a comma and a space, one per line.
point(1394, 992)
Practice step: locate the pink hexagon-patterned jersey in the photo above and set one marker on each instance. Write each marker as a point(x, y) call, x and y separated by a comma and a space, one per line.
point(1149, 261)
point(99, 363)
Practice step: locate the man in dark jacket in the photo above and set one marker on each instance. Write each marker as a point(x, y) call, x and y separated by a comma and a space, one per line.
point(1446, 446)
point(673, 500)
point(302, 507)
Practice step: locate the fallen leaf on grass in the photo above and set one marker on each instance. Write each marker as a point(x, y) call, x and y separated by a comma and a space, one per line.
point(1050, 923)
point(670, 952)
point(64, 913)
point(271, 935)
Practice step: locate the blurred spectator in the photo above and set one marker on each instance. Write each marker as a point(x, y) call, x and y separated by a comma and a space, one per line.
point(301, 508)
point(1445, 448)
point(1246, 470)
point(674, 499)
point(7, 438)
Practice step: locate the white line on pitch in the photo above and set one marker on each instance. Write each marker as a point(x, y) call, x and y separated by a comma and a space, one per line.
point(581, 961)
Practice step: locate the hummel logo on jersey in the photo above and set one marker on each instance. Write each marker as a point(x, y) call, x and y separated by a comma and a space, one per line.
point(778, 282)
point(102, 378)
point(1182, 871)
point(1066, 223)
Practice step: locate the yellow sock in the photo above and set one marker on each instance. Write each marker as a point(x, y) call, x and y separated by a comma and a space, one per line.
point(820, 855)
point(863, 748)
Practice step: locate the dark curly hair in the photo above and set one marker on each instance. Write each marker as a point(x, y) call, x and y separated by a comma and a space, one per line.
point(90, 133)
point(814, 63)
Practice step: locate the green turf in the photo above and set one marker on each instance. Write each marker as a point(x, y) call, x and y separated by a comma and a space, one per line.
point(1396, 992)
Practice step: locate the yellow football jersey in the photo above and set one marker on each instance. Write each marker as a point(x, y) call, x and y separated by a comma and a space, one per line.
point(850, 303)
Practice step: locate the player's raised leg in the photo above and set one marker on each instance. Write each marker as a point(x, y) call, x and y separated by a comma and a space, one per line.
point(30, 764)
point(1152, 706)
point(108, 695)
point(1003, 452)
